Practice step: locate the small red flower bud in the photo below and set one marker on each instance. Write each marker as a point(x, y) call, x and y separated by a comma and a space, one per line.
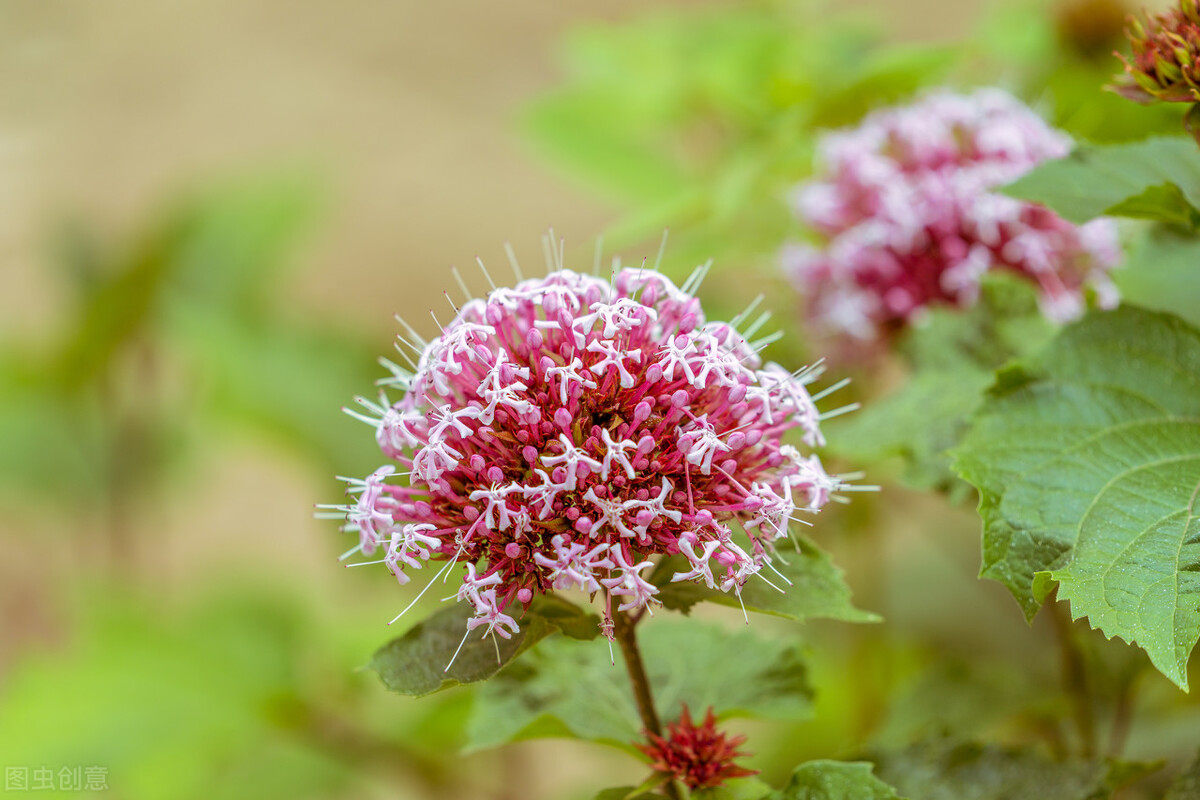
point(698, 755)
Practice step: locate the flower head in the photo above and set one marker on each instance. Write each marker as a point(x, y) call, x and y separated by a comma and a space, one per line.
point(698, 755)
point(567, 432)
point(1165, 64)
point(908, 219)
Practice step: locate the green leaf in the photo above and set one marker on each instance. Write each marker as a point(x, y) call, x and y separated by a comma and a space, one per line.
point(626, 793)
point(1186, 785)
point(416, 663)
point(1087, 460)
point(736, 789)
point(817, 590)
point(1163, 203)
point(566, 688)
point(952, 356)
point(1162, 272)
point(1157, 178)
point(835, 780)
point(944, 770)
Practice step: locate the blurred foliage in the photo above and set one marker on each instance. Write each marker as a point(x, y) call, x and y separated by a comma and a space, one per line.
point(952, 356)
point(835, 780)
point(236, 694)
point(701, 121)
point(179, 328)
point(569, 688)
point(1156, 179)
point(946, 770)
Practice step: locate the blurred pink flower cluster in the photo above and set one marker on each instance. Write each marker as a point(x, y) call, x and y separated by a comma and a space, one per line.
point(563, 433)
point(908, 219)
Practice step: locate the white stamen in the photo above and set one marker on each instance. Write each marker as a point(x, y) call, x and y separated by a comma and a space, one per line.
point(422, 594)
point(483, 269)
point(512, 259)
point(547, 253)
point(412, 332)
point(456, 652)
point(462, 285)
point(404, 355)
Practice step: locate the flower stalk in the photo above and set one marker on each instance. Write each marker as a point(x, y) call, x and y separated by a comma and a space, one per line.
point(626, 638)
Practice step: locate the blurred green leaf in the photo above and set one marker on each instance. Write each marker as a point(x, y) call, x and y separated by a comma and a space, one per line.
point(626, 793)
point(736, 789)
point(419, 662)
point(567, 688)
point(1087, 460)
point(835, 780)
point(811, 588)
point(945, 770)
point(284, 379)
point(1186, 785)
point(701, 120)
point(881, 78)
point(964, 696)
point(952, 357)
point(179, 705)
point(1158, 178)
point(1162, 272)
point(1163, 203)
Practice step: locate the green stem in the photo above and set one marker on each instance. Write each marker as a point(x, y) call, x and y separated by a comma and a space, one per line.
point(1074, 676)
point(1122, 716)
point(623, 632)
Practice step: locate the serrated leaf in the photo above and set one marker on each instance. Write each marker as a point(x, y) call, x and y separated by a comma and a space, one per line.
point(1087, 460)
point(566, 688)
point(416, 663)
point(946, 770)
point(817, 589)
point(835, 780)
point(1095, 180)
point(953, 355)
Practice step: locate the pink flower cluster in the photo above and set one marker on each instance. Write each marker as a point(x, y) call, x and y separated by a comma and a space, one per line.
point(905, 208)
point(563, 433)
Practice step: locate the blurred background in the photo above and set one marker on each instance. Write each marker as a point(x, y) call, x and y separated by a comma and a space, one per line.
point(211, 211)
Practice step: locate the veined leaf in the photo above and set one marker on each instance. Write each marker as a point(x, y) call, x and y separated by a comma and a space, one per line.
point(1087, 460)
point(816, 590)
point(419, 662)
point(835, 780)
point(1157, 178)
point(569, 688)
